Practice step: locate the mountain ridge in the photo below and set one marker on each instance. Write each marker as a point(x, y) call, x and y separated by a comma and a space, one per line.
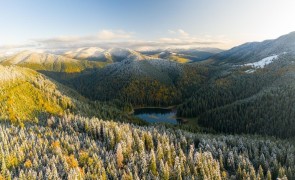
point(48, 62)
point(254, 51)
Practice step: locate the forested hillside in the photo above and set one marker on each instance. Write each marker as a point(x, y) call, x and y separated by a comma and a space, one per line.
point(224, 98)
point(154, 82)
point(147, 90)
point(58, 139)
point(26, 95)
point(73, 147)
point(247, 99)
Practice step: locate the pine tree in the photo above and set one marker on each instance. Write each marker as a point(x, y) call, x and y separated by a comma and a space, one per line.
point(160, 153)
point(3, 167)
point(167, 173)
point(239, 173)
point(152, 163)
point(282, 172)
point(269, 175)
point(103, 175)
point(164, 174)
point(252, 173)
point(101, 132)
point(260, 173)
point(119, 155)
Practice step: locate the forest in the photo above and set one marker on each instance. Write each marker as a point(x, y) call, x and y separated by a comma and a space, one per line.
point(75, 147)
point(239, 102)
point(147, 90)
point(238, 121)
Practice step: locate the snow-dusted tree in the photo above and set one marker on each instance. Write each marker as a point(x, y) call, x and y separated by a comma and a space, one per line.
point(119, 156)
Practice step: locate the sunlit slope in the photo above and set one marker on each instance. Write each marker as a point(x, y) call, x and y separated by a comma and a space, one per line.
point(26, 94)
point(89, 53)
point(111, 55)
point(49, 62)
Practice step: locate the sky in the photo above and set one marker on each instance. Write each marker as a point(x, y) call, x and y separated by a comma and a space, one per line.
point(141, 24)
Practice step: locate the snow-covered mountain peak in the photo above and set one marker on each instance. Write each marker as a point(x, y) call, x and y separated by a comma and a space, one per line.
point(84, 53)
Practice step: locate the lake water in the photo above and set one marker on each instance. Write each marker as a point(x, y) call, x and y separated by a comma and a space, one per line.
point(157, 115)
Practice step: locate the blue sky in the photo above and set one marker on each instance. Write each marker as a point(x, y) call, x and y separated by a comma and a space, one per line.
point(142, 23)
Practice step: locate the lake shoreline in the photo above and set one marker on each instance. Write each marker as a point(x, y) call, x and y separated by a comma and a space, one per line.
point(151, 107)
point(169, 109)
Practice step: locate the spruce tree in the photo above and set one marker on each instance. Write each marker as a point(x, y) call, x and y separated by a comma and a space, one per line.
point(119, 155)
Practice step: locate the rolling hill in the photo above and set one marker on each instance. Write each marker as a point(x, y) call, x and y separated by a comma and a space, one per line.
point(49, 62)
point(183, 55)
point(111, 81)
point(141, 82)
point(26, 94)
point(111, 55)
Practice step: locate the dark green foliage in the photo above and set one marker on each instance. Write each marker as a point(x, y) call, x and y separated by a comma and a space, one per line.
point(222, 91)
point(234, 101)
point(272, 113)
point(154, 87)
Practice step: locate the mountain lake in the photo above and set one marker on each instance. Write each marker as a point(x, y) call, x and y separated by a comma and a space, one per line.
point(157, 115)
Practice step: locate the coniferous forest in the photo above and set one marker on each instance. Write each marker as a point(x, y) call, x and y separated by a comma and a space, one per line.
point(147, 90)
point(241, 132)
point(75, 147)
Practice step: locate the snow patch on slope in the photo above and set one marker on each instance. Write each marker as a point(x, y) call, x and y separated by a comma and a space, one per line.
point(262, 63)
point(249, 71)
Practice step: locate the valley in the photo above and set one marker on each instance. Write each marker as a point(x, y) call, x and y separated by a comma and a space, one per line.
point(147, 90)
point(198, 90)
point(170, 113)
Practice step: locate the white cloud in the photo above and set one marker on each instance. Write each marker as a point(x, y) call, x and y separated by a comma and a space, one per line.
point(100, 36)
point(182, 32)
point(171, 32)
point(179, 32)
point(119, 38)
point(179, 38)
point(111, 35)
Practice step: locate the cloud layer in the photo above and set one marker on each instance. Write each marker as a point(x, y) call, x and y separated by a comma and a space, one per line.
point(119, 38)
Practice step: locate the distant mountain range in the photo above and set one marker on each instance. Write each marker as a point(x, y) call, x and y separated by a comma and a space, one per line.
point(201, 83)
point(184, 55)
point(104, 56)
point(48, 62)
point(46, 98)
point(118, 54)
